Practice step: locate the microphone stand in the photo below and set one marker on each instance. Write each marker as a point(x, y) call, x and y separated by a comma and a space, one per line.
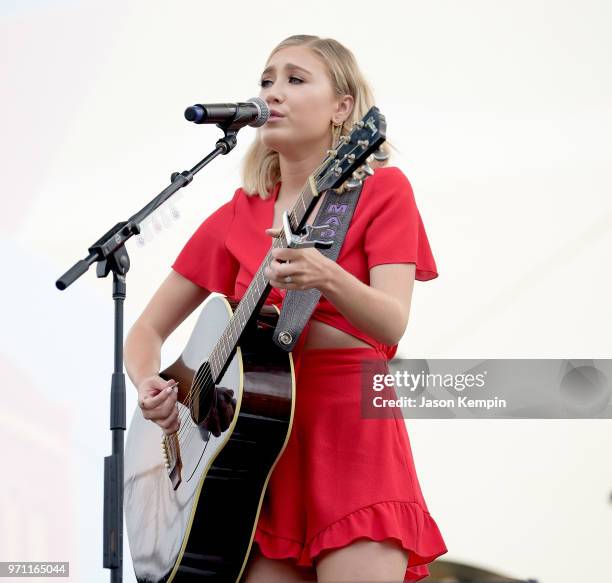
point(110, 254)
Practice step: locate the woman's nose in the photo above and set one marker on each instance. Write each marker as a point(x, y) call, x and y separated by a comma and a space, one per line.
point(272, 94)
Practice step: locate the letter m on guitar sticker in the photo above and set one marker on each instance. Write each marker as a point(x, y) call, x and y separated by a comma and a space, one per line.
point(336, 208)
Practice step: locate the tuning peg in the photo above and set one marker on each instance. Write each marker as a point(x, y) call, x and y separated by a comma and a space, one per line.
point(359, 174)
point(352, 183)
point(381, 155)
point(367, 169)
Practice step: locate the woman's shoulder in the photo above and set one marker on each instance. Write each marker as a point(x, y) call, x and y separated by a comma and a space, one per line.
point(388, 176)
point(241, 201)
point(242, 195)
point(387, 182)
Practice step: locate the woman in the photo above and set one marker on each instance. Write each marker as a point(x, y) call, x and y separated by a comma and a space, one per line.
point(343, 502)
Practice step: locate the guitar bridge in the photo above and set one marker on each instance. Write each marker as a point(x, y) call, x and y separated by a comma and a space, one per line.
point(171, 452)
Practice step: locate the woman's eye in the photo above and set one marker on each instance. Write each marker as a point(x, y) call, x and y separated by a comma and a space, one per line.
point(263, 82)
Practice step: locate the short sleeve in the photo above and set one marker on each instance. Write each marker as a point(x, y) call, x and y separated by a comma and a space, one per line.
point(205, 259)
point(395, 231)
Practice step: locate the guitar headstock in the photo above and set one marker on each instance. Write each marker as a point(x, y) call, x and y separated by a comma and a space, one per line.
point(347, 160)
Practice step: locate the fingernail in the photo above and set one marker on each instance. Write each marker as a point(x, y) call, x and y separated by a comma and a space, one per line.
point(169, 390)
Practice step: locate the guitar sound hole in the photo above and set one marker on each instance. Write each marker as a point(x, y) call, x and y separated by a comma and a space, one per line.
point(202, 403)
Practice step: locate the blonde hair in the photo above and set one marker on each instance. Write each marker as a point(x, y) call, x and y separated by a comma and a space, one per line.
point(260, 165)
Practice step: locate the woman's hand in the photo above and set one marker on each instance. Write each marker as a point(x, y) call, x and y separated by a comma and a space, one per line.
point(157, 401)
point(221, 411)
point(305, 268)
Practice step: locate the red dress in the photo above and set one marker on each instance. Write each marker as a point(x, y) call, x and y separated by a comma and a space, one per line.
point(341, 476)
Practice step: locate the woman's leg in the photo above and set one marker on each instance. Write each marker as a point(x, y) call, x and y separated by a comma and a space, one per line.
point(363, 560)
point(260, 569)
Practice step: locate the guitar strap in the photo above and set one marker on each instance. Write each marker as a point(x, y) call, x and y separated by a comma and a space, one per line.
point(336, 212)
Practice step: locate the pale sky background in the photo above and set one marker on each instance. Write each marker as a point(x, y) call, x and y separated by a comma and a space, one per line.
point(501, 111)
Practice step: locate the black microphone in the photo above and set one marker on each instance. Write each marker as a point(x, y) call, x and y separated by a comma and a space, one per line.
point(254, 112)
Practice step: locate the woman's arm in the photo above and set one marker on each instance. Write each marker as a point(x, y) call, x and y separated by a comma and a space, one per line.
point(380, 309)
point(175, 299)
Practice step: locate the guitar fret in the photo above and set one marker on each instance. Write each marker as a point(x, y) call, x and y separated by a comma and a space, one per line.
point(233, 336)
point(214, 364)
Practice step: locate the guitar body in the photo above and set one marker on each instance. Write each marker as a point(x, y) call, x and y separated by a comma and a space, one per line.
point(197, 522)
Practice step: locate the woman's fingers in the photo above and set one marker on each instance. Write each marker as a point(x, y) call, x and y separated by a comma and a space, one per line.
point(169, 420)
point(160, 407)
point(226, 414)
point(173, 428)
point(163, 408)
point(212, 423)
point(166, 421)
point(150, 402)
point(171, 424)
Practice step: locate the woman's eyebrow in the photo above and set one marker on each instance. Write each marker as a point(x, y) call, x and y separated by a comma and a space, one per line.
point(288, 66)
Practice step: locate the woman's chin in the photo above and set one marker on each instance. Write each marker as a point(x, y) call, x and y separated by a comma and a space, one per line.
point(275, 143)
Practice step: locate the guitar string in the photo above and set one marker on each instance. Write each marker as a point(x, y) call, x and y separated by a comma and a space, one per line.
point(186, 429)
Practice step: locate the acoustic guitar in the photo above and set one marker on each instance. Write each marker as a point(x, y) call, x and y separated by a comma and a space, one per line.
point(192, 499)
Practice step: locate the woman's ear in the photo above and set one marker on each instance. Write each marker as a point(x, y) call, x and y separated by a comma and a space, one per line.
point(344, 108)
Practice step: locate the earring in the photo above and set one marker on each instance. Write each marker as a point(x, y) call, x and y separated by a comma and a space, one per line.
point(336, 132)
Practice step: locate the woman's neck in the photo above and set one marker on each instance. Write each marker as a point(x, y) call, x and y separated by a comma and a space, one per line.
point(295, 171)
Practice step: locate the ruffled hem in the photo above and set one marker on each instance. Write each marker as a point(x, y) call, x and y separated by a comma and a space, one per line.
point(406, 522)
